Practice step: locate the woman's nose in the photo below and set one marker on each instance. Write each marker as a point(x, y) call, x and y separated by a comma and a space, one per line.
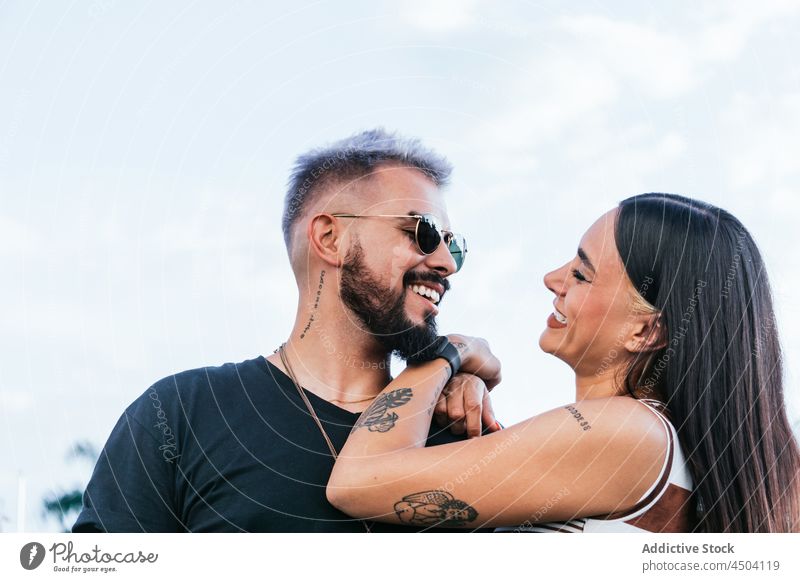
point(554, 280)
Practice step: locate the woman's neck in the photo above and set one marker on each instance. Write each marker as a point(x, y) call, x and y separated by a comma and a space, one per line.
point(609, 383)
point(590, 386)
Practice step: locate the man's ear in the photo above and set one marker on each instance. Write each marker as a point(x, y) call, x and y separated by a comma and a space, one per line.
point(648, 334)
point(325, 239)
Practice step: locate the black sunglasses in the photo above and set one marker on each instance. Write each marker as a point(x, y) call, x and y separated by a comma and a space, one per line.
point(428, 235)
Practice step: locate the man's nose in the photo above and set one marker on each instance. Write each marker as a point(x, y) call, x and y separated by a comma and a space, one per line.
point(441, 260)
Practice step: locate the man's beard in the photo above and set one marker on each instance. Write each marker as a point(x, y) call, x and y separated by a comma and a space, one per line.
point(382, 314)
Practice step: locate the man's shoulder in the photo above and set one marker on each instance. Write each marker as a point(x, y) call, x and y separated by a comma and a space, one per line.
point(208, 375)
point(198, 383)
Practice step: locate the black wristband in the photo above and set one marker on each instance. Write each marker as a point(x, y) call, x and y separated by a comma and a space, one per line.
point(444, 349)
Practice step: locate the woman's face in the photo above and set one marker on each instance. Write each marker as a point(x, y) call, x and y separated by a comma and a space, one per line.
point(592, 318)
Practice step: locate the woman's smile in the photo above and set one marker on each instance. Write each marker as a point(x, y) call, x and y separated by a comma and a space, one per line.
point(556, 320)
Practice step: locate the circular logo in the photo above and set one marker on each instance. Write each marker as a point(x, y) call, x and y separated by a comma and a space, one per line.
point(31, 555)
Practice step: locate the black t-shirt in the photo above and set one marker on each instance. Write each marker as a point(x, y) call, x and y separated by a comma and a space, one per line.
point(230, 448)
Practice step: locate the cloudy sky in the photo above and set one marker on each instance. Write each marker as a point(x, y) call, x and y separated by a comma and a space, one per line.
point(145, 146)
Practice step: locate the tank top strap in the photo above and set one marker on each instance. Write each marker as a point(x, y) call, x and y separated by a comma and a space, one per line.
point(656, 405)
point(660, 485)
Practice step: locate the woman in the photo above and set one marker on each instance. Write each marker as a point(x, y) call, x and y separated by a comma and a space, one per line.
point(678, 424)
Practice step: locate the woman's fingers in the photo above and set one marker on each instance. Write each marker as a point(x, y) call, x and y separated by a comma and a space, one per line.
point(464, 406)
point(440, 410)
point(461, 405)
point(455, 406)
point(487, 414)
point(473, 405)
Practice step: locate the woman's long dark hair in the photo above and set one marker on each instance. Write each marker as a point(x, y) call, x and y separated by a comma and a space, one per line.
point(720, 368)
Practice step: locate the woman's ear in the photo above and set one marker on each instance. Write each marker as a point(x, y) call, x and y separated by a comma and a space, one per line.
point(648, 334)
point(325, 239)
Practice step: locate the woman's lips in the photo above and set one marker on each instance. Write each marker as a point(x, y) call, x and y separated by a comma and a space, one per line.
point(553, 323)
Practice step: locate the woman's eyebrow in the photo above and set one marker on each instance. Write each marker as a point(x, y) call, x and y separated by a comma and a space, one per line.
point(585, 259)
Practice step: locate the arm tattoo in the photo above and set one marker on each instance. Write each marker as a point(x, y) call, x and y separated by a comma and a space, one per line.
point(578, 417)
point(432, 405)
point(435, 507)
point(377, 417)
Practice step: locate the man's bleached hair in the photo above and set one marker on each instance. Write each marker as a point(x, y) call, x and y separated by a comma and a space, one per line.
point(351, 159)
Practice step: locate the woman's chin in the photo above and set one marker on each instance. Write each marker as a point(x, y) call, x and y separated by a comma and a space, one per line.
point(548, 344)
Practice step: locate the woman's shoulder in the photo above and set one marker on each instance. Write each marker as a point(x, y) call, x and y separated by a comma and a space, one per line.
point(631, 444)
point(625, 418)
point(622, 421)
point(610, 450)
point(664, 506)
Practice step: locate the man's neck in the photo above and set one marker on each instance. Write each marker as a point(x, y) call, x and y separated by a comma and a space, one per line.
point(336, 360)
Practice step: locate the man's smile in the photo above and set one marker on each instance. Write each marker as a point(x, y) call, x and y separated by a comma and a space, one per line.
point(428, 291)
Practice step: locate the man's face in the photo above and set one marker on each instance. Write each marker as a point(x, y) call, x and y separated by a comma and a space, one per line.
point(386, 281)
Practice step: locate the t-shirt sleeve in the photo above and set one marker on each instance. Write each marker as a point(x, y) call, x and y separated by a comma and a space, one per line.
point(132, 486)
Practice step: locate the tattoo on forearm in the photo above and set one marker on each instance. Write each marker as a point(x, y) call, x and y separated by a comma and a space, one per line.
point(432, 405)
point(377, 417)
point(435, 507)
point(316, 304)
point(578, 417)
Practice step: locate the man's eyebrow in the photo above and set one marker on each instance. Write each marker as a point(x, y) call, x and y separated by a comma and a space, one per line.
point(585, 260)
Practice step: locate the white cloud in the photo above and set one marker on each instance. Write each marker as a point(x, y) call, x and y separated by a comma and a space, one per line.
point(18, 239)
point(658, 64)
point(440, 15)
point(732, 24)
point(762, 139)
point(16, 401)
point(549, 96)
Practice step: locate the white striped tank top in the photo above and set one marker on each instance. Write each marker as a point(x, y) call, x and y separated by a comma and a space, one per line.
point(665, 507)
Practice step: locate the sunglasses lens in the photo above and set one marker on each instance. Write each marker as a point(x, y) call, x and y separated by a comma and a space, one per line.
point(428, 237)
point(458, 249)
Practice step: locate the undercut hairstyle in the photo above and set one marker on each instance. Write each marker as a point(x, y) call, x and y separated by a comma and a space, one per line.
point(354, 158)
point(720, 372)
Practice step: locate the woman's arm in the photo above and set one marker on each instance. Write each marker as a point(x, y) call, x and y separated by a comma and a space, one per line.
point(594, 457)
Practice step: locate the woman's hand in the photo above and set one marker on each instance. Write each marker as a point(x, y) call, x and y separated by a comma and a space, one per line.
point(465, 406)
point(477, 358)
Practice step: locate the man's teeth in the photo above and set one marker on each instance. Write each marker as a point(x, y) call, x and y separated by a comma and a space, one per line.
point(426, 292)
point(560, 317)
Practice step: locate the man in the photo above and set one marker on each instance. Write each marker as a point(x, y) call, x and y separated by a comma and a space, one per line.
point(250, 446)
